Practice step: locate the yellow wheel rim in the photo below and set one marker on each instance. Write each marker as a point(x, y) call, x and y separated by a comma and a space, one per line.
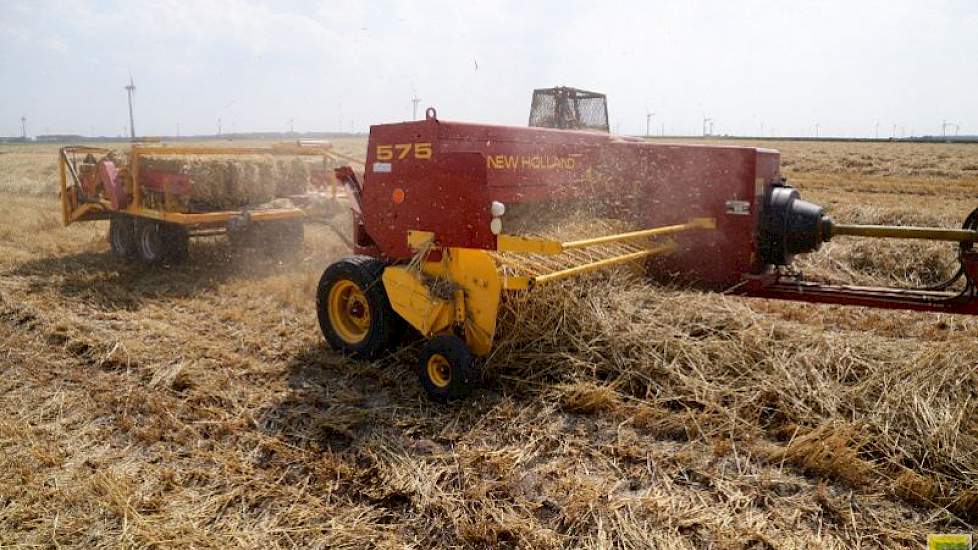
point(439, 370)
point(349, 312)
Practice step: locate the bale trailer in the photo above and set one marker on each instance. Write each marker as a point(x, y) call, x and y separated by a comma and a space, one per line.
point(153, 213)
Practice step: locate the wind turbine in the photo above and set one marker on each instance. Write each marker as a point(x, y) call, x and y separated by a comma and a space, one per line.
point(130, 90)
point(414, 106)
point(945, 125)
point(707, 126)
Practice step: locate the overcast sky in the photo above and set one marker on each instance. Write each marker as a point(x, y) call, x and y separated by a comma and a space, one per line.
point(332, 65)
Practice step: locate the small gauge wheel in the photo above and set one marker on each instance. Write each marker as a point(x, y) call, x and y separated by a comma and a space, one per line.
point(446, 369)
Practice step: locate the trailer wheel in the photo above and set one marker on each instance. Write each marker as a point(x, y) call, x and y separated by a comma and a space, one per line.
point(159, 242)
point(447, 369)
point(176, 241)
point(122, 237)
point(354, 313)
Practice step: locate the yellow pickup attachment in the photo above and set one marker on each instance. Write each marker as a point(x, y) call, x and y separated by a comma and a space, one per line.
point(462, 290)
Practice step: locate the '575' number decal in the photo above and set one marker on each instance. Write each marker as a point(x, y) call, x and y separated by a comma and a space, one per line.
point(401, 151)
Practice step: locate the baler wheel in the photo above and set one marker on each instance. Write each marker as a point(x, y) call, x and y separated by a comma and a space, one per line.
point(447, 369)
point(122, 237)
point(354, 313)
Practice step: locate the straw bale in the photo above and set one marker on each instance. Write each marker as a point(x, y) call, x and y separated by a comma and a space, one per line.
point(292, 177)
point(247, 183)
point(236, 182)
point(210, 181)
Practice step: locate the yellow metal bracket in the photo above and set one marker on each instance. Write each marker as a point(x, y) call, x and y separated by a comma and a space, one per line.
point(523, 282)
point(413, 300)
point(420, 239)
point(512, 243)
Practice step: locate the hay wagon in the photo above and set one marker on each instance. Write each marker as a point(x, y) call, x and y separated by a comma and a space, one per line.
point(156, 197)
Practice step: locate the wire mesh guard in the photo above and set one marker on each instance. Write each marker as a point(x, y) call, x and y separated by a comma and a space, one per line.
point(538, 265)
point(569, 108)
point(523, 264)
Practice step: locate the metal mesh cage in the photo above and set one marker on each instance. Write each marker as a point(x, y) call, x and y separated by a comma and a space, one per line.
point(569, 108)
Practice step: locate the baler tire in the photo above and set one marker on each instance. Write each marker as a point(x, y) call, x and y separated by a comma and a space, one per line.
point(122, 237)
point(446, 369)
point(359, 278)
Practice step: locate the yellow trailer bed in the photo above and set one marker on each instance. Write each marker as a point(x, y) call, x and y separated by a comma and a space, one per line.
point(157, 231)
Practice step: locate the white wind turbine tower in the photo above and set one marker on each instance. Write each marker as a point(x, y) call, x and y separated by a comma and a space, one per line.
point(707, 126)
point(130, 91)
point(945, 125)
point(414, 106)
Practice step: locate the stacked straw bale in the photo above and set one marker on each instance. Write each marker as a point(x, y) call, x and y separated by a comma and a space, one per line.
point(231, 183)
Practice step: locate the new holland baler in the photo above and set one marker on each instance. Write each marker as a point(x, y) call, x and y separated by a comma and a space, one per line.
point(437, 242)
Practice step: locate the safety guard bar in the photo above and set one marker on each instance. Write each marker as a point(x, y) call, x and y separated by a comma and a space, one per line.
point(549, 247)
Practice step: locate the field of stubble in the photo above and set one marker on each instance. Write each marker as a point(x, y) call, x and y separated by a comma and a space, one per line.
point(197, 405)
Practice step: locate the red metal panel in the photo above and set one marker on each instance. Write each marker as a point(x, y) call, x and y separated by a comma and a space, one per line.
point(442, 176)
point(403, 190)
point(108, 177)
point(161, 181)
point(527, 164)
point(471, 165)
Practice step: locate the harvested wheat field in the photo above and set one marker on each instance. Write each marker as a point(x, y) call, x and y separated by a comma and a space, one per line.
point(198, 406)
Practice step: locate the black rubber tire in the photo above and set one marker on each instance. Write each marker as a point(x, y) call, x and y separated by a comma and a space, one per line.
point(159, 242)
point(365, 272)
point(463, 376)
point(149, 242)
point(176, 241)
point(122, 237)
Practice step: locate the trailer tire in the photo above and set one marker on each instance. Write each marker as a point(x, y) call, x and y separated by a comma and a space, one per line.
point(446, 369)
point(176, 241)
point(354, 313)
point(122, 237)
point(159, 242)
